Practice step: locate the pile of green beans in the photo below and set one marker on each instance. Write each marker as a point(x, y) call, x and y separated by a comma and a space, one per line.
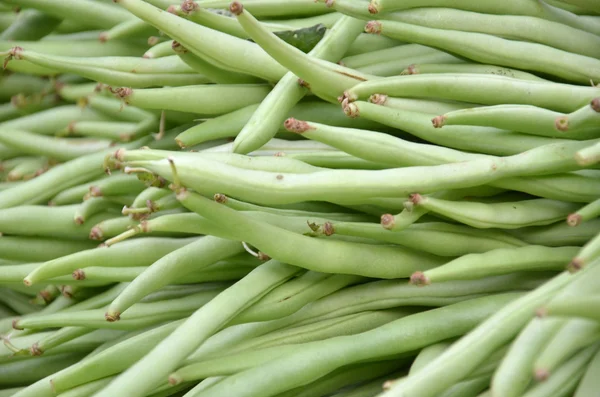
point(269, 198)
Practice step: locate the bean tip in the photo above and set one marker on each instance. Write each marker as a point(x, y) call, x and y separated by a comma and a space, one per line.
point(438, 121)
point(236, 8)
point(103, 37)
point(328, 229)
point(96, 233)
point(351, 109)
point(112, 316)
point(575, 265)
point(15, 324)
point(561, 123)
point(373, 27)
point(574, 219)
point(27, 281)
point(373, 7)
point(297, 126)
point(388, 221)
point(541, 374)
point(78, 274)
point(175, 379)
point(220, 198)
point(188, 6)
point(419, 279)
point(541, 312)
point(595, 104)
point(416, 198)
point(35, 350)
point(378, 99)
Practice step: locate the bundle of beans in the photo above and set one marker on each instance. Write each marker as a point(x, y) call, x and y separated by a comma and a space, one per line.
point(298, 198)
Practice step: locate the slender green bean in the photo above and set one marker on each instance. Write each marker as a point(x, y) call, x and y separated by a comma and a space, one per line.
point(38, 249)
point(145, 251)
point(24, 372)
point(566, 378)
point(266, 120)
point(477, 88)
point(309, 363)
point(237, 54)
point(586, 213)
point(589, 383)
point(202, 324)
point(200, 254)
point(515, 27)
point(499, 261)
point(160, 50)
point(30, 25)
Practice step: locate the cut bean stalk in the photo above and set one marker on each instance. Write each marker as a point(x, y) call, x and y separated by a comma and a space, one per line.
point(586, 213)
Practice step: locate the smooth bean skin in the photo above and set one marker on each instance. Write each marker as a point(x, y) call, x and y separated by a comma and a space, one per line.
point(589, 383)
point(111, 360)
point(195, 256)
point(500, 261)
point(307, 364)
point(577, 306)
point(477, 88)
point(39, 249)
point(377, 295)
point(566, 378)
point(202, 324)
point(500, 215)
point(24, 372)
point(136, 252)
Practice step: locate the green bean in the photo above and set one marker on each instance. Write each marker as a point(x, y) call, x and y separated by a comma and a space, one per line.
point(440, 60)
point(585, 4)
point(115, 131)
point(83, 48)
point(515, 27)
point(378, 295)
point(28, 168)
point(530, 8)
point(428, 354)
point(50, 183)
point(325, 77)
point(216, 45)
point(273, 8)
point(202, 99)
point(468, 388)
point(420, 105)
point(58, 148)
point(212, 72)
point(30, 25)
point(91, 207)
point(140, 316)
point(369, 389)
point(48, 221)
point(497, 142)
point(88, 389)
point(397, 53)
point(204, 252)
point(566, 378)
point(434, 237)
point(589, 253)
point(366, 43)
point(36, 249)
point(17, 302)
point(521, 118)
point(111, 360)
point(489, 49)
point(23, 372)
point(204, 322)
point(4, 392)
point(575, 307)
point(47, 122)
point(128, 29)
point(260, 350)
point(428, 67)
point(480, 342)
point(115, 186)
point(312, 186)
point(517, 365)
point(292, 296)
point(145, 251)
point(92, 13)
point(330, 259)
point(588, 385)
point(476, 88)
point(114, 109)
point(115, 226)
point(345, 376)
point(507, 215)
point(585, 213)
point(499, 261)
point(160, 50)
point(393, 338)
point(266, 120)
point(75, 194)
point(103, 75)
